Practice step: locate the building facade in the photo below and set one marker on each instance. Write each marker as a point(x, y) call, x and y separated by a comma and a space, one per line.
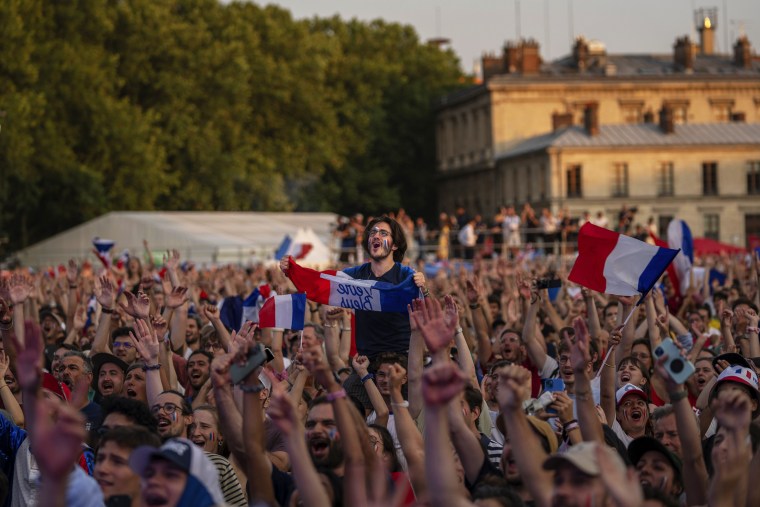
point(674, 135)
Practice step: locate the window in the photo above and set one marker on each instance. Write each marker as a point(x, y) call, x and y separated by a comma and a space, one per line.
point(712, 226)
point(665, 179)
point(680, 114)
point(709, 178)
point(620, 180)
point(663, 221)
point(632, 114)
point(753, 177)
point(722, 113)
point(574, 188)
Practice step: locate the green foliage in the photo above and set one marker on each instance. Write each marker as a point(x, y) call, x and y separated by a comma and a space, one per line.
point(198, 105)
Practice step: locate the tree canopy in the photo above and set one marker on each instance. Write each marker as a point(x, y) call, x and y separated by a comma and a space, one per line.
point(198, 105)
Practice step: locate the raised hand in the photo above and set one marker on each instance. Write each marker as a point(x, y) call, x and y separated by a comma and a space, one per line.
point(285, 264)
point(315, 362)
point(211, 312)
point(5, 362)
point(137, 306)
point(334, 314)
point(72, 272)
point(146, 342)
point(473, 290)
point(580, 354)
point(283, 414)
point(104, 292)
point(397, 375)
point(80, 317)
point(727, 318)
point(563, 404)
point(29, 358)
point(171, 259)
point(57, 445)
point(159, 325)
point(733, 410)
point(361, 365)
point(514, 387)
point(176, 298)
point(220, 370)
point(627, 300)
point(525, 288)
point(450, 312)
point(431, 323)
point(441, 383)
point(19, 289)
point(616, 336)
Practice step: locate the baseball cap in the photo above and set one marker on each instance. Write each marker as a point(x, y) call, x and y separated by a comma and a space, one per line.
point(640, 446)
point(583, 457)
point(732, 358)
point(740, 375)
point(186, 456)
point(630, 390)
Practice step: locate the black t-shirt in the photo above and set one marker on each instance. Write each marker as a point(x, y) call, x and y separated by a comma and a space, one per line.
point(378, 332)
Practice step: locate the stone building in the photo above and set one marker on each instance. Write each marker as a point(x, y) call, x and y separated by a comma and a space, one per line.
point(675, 135)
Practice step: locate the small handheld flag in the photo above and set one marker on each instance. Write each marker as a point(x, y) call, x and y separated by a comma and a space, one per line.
point(285, 312)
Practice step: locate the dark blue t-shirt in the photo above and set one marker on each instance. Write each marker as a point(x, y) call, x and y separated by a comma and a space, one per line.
point(378, 332)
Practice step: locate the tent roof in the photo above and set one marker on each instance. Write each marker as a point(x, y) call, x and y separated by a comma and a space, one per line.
point(199, 236)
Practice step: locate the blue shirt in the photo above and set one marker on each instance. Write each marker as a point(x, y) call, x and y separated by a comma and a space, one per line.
point(378, 332)
point(11, 437)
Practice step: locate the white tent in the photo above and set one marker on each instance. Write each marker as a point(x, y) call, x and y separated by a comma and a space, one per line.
point(201, 237)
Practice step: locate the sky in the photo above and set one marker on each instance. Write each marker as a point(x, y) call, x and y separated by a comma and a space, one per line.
point(478, 26)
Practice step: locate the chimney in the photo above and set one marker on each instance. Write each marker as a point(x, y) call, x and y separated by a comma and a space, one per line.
point(648, 116)
point(738, 117)
point(511, 57)
point(743, 53)
point(706, 20)
point(591, 118)
point(683, 54)
point(491, 66)
point(666, 119)
point(531, 60)
point(580, 53)
point(561, 120)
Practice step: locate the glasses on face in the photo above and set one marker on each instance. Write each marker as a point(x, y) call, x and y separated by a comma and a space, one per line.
point(122, 345)
point(168, 408)
point(382, 232)
point(564, 359)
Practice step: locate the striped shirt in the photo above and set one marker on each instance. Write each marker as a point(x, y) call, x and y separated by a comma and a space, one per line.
point(228, 481)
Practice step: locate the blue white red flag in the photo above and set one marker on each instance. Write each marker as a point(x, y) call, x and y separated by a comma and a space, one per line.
point(285, 312)
point(338, 289)
point(252, 304)
point(679, 236)
point(289, 247)
point(103, 249)
point(611, 263)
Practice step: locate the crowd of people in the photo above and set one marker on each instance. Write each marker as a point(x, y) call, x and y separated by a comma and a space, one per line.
point(508, 233)
point(143, 384)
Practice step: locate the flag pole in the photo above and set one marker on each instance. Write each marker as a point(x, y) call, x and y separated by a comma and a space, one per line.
point(300, 333)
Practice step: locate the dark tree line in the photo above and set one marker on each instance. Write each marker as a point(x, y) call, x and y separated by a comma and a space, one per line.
point(198, 105)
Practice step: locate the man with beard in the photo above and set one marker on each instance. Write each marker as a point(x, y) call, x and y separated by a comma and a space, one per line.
point(174, 415)
point(192, 335)
point(109, 374)
point(385, 245)
point(198, 370)
point(322, 437)
point(73, 366)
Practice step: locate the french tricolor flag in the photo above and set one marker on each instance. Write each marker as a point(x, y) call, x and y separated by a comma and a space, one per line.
point(290, 247)
point(338, 289)
point(285, 312)
point(252, 304)
point(679, 236)
point(103, 249)
point(611, 263)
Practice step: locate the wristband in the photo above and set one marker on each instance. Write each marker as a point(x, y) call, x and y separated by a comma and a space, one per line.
point(678, 396)
point(570, 427)
point(569, 423)
point(755, 330)
point(534, 301)
point(283, 375)
point(344, 370)
point(368, 376)
point(107, 310)
point(147, 367)
point(73, 286)
point(403, 404)
point(426, 292)
point(458, 331)
point(474, 306)
point(334, 325)
point(345, 329)
point(252, 389)
point(336, 395)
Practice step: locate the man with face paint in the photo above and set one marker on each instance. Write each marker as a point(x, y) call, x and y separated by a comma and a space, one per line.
point(385, 245)
point(322, 436)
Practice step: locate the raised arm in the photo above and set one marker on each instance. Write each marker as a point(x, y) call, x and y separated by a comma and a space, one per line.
point(536, 351)
point(361, 366)
point(478, 303)
point(230, 418)
point(408, 435)
point(514, 389)
point(694, 471)
point(443, 382)
point(580, 357)
point(104, 294)
point(147, 345)
point(333, 318)
point(212, 314)
point(416, 354)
